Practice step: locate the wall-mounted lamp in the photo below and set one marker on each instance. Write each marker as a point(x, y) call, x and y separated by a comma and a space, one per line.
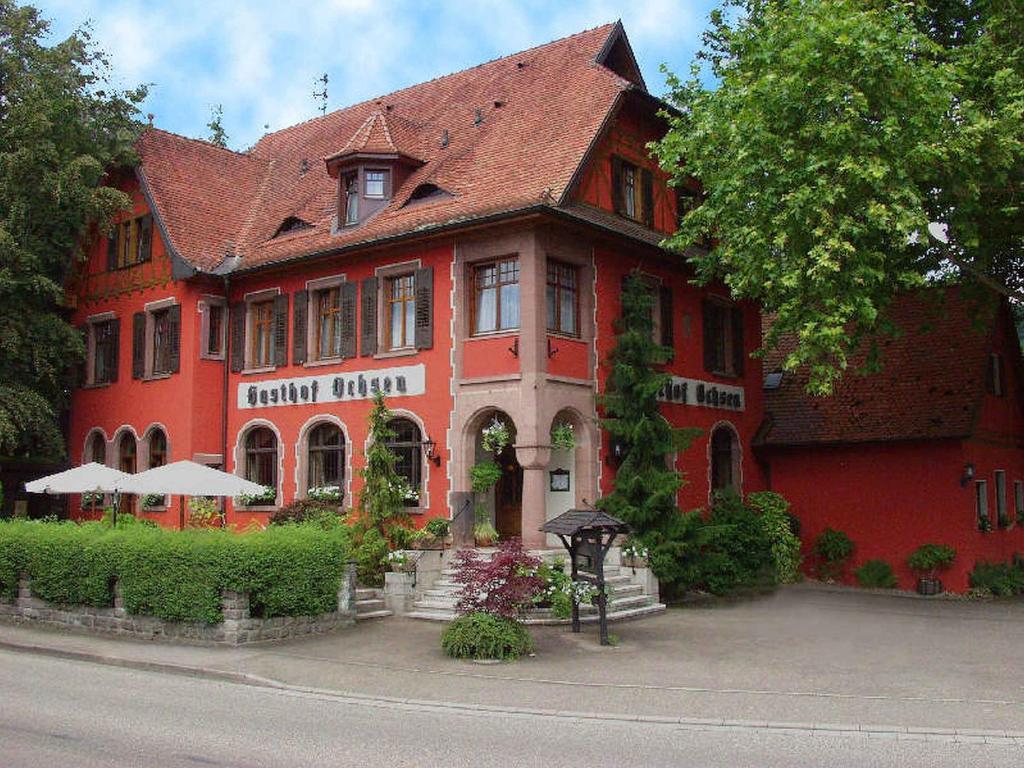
point(514, 349)
point(968, 474)
point(429, 450)
point(616, 451)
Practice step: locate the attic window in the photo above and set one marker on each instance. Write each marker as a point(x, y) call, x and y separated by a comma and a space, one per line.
point(292, 224)
point(427, 192)
point(773, 380)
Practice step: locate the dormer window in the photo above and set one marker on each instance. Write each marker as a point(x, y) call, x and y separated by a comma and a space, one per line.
point(376, 184)
point(350, 188)
point(292, 224)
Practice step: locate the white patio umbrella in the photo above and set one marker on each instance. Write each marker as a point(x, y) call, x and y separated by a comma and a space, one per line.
point(187, 478)
point(88, 478)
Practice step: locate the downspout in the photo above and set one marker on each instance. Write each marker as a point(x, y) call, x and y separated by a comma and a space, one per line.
point(224, 389)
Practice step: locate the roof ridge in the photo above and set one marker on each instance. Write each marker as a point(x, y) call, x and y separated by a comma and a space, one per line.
point(201, 142)
point(378, 98)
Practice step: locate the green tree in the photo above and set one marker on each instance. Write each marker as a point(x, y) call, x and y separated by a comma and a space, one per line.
point(382, 499)
point(834, 132)
point(218, 135)
point(62, 126)
point(645, 487)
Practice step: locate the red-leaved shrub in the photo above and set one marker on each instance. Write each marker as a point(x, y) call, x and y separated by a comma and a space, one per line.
point(501, 586)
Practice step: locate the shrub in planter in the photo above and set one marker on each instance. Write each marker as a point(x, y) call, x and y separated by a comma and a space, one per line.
point(480, 635)
point(926, 561)
point(484, 534)
point(833, 549)
point(876, 574)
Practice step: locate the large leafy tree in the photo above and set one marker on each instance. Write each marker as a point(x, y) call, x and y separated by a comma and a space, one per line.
point(831, 133)
point(62, 126)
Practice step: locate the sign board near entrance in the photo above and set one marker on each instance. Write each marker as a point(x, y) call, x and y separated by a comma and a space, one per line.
point(333, 387)
point(703, 393)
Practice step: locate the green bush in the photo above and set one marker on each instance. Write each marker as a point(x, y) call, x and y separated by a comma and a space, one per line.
point(876, 574)
point(311, 511)
point(484, 476)
point(737, 553)
point(176, 575)
point(439, 527)
point(929, 558)
point(483, 636)
point(778, 527)
point(833, 548)
point(370, 551)
point(1001, 579)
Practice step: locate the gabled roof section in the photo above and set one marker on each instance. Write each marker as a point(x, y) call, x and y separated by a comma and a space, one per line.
point(504, 137)
point(617, 55)
point(931, 384)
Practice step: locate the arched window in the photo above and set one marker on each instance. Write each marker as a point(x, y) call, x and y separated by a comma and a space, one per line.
point(407, 445)
point(97, 451)
point(126, 453)
point(157, 448)
point(724, 460)
point(326, 458)
point(261, 457)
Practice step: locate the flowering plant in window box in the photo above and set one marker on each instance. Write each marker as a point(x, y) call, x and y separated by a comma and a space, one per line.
point(495, 436)
point(268, 496)
point(331, 494)
point(400, 562)
point(984, 525)
point(154, 501)
point(634, 554)
point(92, 498)
point(562, 437)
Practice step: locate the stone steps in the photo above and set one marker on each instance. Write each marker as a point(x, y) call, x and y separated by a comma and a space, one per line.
point(370, 604)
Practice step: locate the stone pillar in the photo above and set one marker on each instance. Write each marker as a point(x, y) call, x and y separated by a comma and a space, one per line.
point(534, 461)
point(119, 610)
point(398, 592)
point(347, 589)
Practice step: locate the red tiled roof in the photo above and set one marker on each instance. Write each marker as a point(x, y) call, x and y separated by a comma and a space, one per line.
point(930, 385)
point(541, 109)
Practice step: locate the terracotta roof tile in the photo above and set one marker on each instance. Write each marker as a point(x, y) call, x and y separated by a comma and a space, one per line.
point(540, 110)
point(930, 384)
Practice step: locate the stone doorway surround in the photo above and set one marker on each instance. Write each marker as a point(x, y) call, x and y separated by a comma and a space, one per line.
point(530, 397)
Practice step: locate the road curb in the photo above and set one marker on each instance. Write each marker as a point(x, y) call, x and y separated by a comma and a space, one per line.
point(951, 735)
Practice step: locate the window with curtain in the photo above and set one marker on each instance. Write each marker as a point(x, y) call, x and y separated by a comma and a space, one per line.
point(407, 446)
point(262, 332)
point(496, 304)
point(328, 323)
point(261, 457)
point(723, 460)
point(326, 457)
point(562, 299)
point(400, 311)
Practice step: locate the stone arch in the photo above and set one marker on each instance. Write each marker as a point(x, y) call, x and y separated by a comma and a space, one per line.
point(238, 451)
point(736, 447)
point(302, 455)
point(144, 443)
point(87, 445)
point(585, 463)
point(115, 443)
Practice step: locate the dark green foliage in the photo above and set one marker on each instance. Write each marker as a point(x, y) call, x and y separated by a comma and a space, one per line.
point(307, 511)
point(876, 574)
point(484, 475)
point(929, 558)
point(382, 499)
point(438, 527)
point(737, 553)
point(1000, 579)
point(645, 488)
point(833, 549)
point(483, 636)
point(370, 551)
point(62, 125)
point(176, 575)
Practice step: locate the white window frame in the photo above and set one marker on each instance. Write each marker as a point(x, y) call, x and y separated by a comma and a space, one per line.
point(205, 303)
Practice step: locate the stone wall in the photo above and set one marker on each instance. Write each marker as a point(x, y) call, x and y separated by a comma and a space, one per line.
point(237, 628)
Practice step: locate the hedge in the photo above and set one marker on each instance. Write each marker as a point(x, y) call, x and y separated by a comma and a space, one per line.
point(176, 575)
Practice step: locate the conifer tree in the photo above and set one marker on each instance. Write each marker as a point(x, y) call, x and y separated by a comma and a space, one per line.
point(382, 500)
point(645, 487)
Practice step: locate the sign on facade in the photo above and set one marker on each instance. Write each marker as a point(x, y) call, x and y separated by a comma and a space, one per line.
point(333, 387)
point(703, 393)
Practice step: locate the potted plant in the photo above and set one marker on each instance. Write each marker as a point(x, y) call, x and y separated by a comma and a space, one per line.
point(634, 554)
point(400, 562)
point(562, 437)
point(833, 549)
point(926, 561)
point(484, 534)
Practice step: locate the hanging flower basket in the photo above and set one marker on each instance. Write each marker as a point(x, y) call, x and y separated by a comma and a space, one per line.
point(562, 437)
point(495, 437)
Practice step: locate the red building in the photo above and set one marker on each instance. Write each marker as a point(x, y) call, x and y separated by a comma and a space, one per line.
point(459, 244)
point(929, 450)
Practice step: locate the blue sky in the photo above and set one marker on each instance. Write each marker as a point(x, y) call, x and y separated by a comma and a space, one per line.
point(260, 58)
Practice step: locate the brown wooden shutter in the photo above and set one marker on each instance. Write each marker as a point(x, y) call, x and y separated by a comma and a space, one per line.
point(237, 336)
point(368, 323)
point(280, 352)
point(115, 349)
point(146, 238)
point(647, 196)
point(424, 280)
point(739, 356)
point(710, 316)
point(138, 345)
point(617, 202)
point(349, 300)
point(300, 315)
point(112, 249)
point(667, 317)
point(174, 337)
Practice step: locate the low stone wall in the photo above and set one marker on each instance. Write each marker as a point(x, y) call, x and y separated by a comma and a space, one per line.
point(238, 627)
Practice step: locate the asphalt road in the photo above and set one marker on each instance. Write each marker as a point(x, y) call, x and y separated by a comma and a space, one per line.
point(57, 712)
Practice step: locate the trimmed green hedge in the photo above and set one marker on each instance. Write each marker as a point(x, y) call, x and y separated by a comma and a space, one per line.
point(287, 570)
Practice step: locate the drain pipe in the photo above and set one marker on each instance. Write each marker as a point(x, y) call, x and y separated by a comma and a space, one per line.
point(224, 391)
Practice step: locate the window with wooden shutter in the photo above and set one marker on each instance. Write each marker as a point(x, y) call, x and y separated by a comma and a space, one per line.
point(327, 319)
point(161, 363)
point(368, 321)
point(174, 338)
point(114, 350)
point(139, 345)
point(237, 321)
point(723, 339)
point(280, 356)
point(399, 311)
point(424, 308)
point(300, 313)
point(349, 300)
point(995, 383)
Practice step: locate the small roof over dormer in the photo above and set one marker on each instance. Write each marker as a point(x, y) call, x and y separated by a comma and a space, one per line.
point(372, 140)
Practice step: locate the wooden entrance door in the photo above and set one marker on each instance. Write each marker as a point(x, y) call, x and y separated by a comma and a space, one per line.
point(508, 496)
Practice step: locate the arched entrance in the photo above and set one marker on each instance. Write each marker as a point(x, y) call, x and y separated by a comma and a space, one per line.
point(501, 504)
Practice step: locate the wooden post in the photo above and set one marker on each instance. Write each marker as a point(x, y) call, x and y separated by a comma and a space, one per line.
point(571, 546)
point(602, 597)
